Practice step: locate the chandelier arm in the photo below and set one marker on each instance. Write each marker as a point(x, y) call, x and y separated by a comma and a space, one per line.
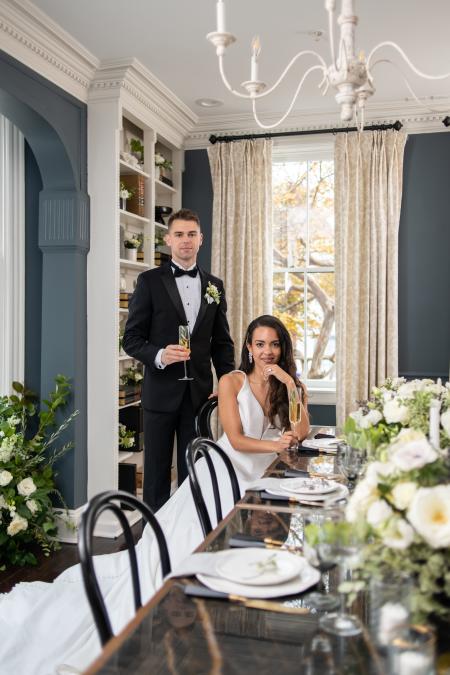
point(405, 80)
point(403, 55)
point(272, 126)
point(280, 79)
point(227, 84)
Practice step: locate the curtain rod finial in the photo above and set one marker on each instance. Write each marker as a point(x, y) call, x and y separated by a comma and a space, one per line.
point(212, 139)
point(446, 121)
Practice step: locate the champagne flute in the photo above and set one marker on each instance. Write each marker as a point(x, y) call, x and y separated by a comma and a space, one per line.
point(184, 340)
point(295, 413)
point(314, 521)
point(351, 462)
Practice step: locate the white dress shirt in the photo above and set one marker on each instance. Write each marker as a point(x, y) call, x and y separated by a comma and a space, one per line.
point(190, 289)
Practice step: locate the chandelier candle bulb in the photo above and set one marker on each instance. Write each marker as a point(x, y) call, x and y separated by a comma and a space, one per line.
point(435, 420)
point(256, 49)
point(220, 13)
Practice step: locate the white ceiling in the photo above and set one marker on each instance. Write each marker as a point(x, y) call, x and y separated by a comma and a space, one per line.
point(168, 36)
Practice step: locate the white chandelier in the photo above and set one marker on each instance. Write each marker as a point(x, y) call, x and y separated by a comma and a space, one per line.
point(350, 74)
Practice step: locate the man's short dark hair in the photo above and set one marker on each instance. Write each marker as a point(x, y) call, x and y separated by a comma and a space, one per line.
point(184, 214)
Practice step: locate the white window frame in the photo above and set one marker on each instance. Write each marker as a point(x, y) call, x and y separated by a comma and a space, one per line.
point(301, 149)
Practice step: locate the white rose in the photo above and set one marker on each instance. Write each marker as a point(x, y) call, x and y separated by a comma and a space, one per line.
point(3, 502)
point(399, 534)
point(17, 525)
point(5, 478)
point(32, 505)
point(445, 421)
point(364, 494)
point(411, 450)
point(378, 513)
point(26, 487)
point(357, 415)
point(408, 389)
point(394, 412)
point(402, 494)
point(429, 513)
point(372, 417)
point(376, 471)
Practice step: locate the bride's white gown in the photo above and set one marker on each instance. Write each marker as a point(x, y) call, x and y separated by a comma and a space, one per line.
point(45, 625)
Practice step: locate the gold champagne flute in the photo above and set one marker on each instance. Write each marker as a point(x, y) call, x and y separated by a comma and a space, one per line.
point(184, 340)
point(295, 412)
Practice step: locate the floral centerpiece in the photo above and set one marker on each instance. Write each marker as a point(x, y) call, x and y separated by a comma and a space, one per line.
point(404, 497)
point(27, 478)
point(162, 162)
point(125, 193)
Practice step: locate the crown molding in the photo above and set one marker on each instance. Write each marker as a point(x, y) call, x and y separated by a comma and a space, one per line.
point(415, 120)
point(142, 94)
point(31, 37)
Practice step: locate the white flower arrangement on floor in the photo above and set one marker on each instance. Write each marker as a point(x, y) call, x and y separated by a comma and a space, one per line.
point(404, 497)
point(27, 457)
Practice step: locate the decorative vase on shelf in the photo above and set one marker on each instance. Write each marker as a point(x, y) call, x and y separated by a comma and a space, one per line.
point(123, 204)
point(123, 281)
point(131, 254)
point(158, 172)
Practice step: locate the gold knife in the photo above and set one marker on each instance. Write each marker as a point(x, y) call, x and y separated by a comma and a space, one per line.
point(266, 605)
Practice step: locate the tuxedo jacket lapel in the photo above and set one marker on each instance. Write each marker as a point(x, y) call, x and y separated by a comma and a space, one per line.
point(203, 303)
point(169, 282)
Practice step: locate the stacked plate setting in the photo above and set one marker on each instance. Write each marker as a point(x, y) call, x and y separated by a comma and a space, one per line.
point(314, 490)
point(259, 573)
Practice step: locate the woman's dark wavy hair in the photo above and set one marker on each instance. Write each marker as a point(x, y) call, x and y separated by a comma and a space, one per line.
point(278, 399)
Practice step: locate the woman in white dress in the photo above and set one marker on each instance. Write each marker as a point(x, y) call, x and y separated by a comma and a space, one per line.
point(48, 628)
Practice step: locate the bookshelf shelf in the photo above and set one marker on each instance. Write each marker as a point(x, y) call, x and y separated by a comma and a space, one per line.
point(128, 405)
point(132, 265)
point(128, 170)
point(129, 218)
point(161, 226)
point(163, 187)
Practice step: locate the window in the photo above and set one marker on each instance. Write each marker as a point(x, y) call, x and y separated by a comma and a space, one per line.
point(303, 263)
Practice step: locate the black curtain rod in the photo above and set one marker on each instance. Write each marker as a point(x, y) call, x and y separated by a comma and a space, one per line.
point(375, 127)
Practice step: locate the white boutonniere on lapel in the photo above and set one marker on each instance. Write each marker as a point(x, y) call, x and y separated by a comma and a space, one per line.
point(212, 294)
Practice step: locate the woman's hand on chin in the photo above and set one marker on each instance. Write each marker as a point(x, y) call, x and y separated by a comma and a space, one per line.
point(272, 369)
point(284, 442)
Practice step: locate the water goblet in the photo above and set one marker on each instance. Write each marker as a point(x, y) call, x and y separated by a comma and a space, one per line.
point(351, 462)
point(313, 521)
point(340, 542)
point(184, 339)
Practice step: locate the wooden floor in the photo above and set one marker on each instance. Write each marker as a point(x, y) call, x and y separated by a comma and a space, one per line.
point(49, 568)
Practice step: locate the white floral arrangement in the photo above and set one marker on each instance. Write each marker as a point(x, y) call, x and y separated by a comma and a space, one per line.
point(404, 496)
point(212, 294)
point(124, 192)
point(126, 437)
point(162, 162)
point(27, 457)
point(133, 242)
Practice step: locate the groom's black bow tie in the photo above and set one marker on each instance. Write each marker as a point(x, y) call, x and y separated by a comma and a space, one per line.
point(179, 271)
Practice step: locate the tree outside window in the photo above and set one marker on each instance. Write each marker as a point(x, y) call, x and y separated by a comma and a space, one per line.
point(303, 264)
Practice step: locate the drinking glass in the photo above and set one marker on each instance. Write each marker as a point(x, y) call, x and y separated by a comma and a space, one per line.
point(295, 413)
point(351, 462)
point(390, 600)
point(340, 543)
point(413, 652)
point(313, 522)
point(184, 339)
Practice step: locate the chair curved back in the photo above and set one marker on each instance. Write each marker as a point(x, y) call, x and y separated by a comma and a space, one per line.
point(112, 500)
point(202, 447)
point(203, 419)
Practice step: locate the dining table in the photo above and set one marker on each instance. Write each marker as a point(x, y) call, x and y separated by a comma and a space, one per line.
point(182, 634)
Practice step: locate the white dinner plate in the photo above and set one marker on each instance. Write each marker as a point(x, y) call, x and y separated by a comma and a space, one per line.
point(258, 566)
point(308, 577)
point(339, 492)
point(308, 486)
point(328, 445)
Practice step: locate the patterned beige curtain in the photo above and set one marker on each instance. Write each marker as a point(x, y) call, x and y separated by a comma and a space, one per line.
point(368, 192)
point(242, 229)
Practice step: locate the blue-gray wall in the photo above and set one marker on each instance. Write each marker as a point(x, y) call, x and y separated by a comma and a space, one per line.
point(198, 196)
point(424, 268)
point(424, 241)
point(54, 125)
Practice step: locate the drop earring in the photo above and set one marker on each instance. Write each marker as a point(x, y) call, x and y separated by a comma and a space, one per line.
point(250, 357)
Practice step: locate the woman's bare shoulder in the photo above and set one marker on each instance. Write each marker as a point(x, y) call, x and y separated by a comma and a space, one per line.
point(232, 381)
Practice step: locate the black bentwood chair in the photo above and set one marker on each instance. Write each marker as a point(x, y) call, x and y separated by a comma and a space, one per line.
point(113, 500)
point(203, 447)
point(203, 419)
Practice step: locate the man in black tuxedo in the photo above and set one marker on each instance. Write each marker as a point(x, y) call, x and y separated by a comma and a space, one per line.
point(177, 293)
